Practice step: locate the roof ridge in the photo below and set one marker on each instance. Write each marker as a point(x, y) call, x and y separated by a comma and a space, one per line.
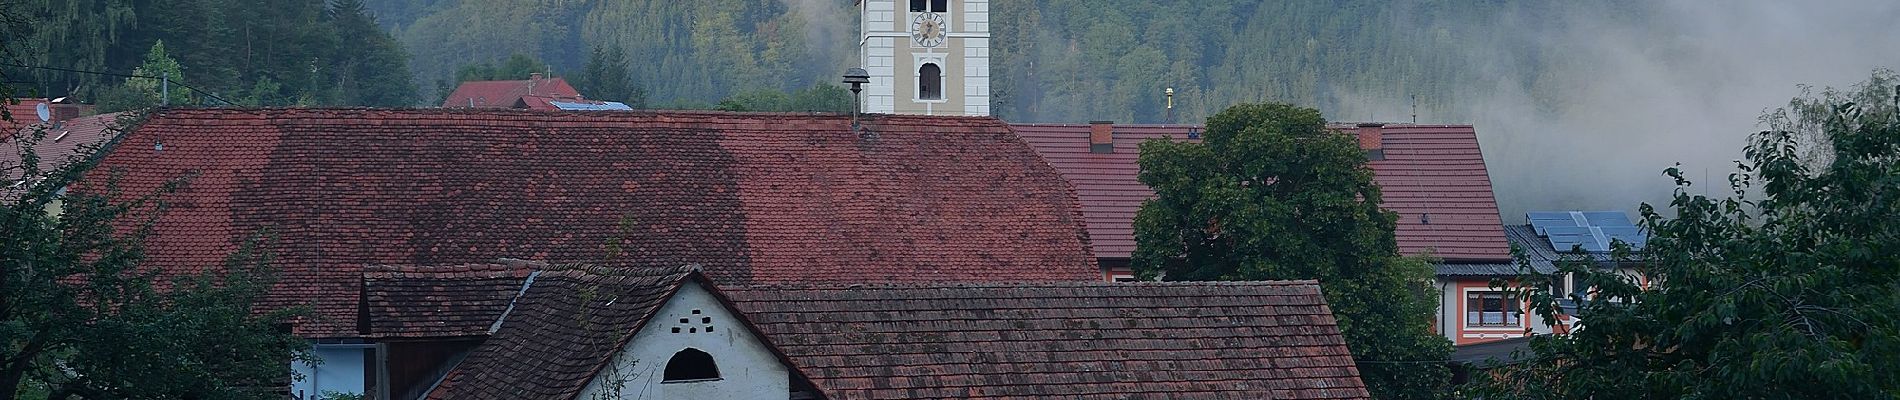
point(1035, 284)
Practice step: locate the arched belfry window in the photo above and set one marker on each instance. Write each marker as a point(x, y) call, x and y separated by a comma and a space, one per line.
point(935, 5)
point(690, 365)
point(930, 82)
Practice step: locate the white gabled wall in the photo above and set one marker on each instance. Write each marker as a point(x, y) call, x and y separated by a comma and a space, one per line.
point(747, 369)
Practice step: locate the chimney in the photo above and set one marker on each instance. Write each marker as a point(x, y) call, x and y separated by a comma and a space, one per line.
point(1102, 137)
point(1372, 140)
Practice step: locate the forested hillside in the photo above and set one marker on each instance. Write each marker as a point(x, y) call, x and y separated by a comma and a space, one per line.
point(1055, 60)
point(256, 52)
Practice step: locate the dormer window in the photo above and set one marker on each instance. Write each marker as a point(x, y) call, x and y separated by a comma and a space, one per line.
point(930, 82)
point(690, 365)
point(929, 5)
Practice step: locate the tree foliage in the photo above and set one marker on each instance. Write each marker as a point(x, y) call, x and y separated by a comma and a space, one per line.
point(818, 98)
point(1270, 193)
point(1788, 287)
point(79, 318)
point(606, 77)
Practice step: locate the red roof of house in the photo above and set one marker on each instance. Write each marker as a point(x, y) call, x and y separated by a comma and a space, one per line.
point(532, 94)
point(556, 338)
point(62, 142)
point(1433, 176)
point(1067, 340)
point(753, 197)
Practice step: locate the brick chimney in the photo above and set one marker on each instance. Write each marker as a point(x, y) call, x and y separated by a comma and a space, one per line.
point(1372, 140)
point(1102, 137)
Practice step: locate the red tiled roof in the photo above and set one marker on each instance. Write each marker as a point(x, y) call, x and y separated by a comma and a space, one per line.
point(557, 339)
point(1178, 340)
point(64, 141)
point(440, 301)
point(510, 94)
point(756, 198)
point(1434, 171)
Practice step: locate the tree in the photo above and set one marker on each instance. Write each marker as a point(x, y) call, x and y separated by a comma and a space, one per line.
point(153, 83)
point(369, 67)
point(1270, 193)
point(817, 98)
point(1788, 287)
point(80, 317)
point(606, 77)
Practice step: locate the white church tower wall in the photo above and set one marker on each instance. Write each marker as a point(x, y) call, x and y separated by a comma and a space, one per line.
point(929, 57)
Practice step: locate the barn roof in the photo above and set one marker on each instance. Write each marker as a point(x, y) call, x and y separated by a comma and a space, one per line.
point(755, 198)
point(1433, 176)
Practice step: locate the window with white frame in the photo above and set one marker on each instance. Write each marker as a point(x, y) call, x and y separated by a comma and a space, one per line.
point(1491, 309)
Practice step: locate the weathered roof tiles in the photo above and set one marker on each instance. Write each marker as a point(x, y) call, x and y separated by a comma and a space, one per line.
point(755, 198)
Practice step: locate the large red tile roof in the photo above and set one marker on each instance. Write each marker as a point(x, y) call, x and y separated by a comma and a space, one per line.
point(1176, 340)
point(1433, 176)
point(756, 198)
point(530, 94)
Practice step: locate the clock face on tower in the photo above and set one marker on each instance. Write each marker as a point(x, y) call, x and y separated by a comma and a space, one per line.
point(928, 29)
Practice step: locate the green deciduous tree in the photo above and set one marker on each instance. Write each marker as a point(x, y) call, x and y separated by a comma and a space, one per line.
point(143, 90)
point(1789, 287)
point(1272, 194)
point(79, 317)
point(817, 98)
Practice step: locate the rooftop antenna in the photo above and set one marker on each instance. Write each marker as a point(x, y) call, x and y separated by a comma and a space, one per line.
point(1415, 109)
point(856, 77)
point(1170, 92)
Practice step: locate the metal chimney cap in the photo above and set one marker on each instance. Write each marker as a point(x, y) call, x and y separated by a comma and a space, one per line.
point(856, 76)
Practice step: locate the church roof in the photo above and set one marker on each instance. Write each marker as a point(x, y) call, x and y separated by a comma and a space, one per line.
point(754, 197)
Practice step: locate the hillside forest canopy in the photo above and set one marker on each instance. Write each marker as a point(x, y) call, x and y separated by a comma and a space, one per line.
point(1055, 61)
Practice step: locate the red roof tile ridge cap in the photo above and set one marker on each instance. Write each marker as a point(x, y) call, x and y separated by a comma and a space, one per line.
point(1019, 284)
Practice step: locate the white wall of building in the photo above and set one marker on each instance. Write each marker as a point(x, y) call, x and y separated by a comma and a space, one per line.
point(747, 369)
point(341, 371)
point(891, 57)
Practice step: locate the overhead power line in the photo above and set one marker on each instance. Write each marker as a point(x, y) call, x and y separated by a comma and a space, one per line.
point(166, 79)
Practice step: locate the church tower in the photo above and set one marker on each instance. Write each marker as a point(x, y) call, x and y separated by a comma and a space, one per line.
point(928, 57)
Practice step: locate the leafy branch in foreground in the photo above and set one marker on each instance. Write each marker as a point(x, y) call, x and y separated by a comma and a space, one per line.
point(81, 317)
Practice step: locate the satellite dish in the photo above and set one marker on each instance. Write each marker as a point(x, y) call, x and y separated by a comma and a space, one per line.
point(45, 113)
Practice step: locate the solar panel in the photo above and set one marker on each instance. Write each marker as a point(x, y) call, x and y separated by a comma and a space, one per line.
point(1628, 234)
point(602, 106)
point(1607, 218)
point(1543, 220)
point(1564, 238)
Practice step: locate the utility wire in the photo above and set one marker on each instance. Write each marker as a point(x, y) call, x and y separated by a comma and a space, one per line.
point(166, 79)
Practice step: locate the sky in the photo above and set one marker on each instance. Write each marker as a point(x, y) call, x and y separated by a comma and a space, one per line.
point(1688, 85)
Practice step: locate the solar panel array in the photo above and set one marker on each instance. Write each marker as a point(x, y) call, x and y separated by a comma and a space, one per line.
point(1594, 231)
